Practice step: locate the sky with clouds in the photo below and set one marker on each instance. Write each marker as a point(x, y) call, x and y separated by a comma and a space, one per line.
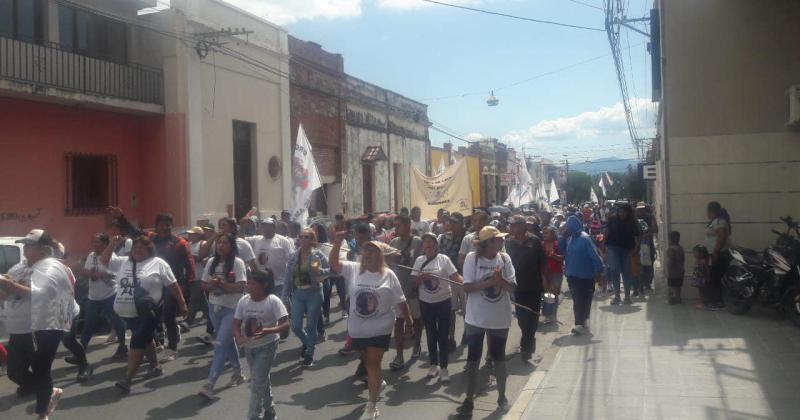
point(557, 86)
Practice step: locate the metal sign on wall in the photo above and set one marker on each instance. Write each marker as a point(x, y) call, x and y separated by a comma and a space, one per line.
point(649, 172)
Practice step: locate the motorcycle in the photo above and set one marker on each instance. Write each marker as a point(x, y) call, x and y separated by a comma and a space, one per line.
point(771, 278)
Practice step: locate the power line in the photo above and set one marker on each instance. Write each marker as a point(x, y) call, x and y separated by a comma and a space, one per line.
point(488, 12)
point(519, 82)
point(587, 5)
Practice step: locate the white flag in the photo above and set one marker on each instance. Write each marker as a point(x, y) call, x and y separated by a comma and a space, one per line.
point(608, 179)
point(553, 192)
point(602, 186)
point(593, 196)
point(442, 167)
point(305, 178)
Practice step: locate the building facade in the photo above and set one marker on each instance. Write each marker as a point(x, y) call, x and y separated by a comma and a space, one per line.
point(317, 82)
point(723, 132)
point(113, 108)
point(386, 134)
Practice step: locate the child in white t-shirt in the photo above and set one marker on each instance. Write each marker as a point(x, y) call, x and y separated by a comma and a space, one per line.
point(259, 319)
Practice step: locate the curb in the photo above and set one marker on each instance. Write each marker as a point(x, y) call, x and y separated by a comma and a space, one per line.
point(526, 396)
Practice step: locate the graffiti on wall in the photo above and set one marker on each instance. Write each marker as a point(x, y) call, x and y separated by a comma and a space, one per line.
point(20, 217)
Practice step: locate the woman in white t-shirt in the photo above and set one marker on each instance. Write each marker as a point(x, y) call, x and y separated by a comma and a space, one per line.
point(141, 274)
point(376, 298)
point(435, 302)
point(262, 316)
point(489, 280)
point(224, 281)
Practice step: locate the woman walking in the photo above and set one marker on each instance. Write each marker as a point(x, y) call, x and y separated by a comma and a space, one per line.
point(376, 298)
point(141, 280)
point(264, 317)
point(224, 281)
point(305, 273)
point(718, 240)
point(555, 267)
point(435, 302)
point(489, 280)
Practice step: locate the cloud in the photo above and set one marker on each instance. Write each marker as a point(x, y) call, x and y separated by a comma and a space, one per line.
point(285, 12)
point(606, 121)
point(474, 136)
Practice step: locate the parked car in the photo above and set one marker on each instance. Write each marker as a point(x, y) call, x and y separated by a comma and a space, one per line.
point(10, 253)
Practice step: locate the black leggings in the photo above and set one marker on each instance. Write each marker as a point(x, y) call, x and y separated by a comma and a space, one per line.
point(527, 320)
point(30, 359)
point(437, 318)
point(170, 318)
point(581, 300)
point(70, 341)
point(496, 338)
point(713, 287)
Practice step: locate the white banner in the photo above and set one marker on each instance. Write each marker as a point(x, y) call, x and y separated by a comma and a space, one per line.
point(305, 177)
point(449, 191)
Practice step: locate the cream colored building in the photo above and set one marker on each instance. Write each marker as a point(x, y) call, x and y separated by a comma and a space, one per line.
point(232, 93)
point(726, 68)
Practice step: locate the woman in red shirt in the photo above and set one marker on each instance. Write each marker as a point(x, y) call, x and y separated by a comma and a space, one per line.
point(555, 267)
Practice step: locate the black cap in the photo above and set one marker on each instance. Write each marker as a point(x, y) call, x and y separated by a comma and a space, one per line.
point(456, 217)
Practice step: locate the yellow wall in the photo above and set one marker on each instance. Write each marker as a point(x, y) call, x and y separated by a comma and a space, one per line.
point(473, 168)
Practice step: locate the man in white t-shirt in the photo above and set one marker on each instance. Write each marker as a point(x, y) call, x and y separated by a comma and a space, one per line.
point(272, 251)
point(52, 307)
point(418, 226)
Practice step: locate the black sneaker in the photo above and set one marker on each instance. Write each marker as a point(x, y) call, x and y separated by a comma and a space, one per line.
point(154, 372)
point(84, 373)
point(628, 301)
point(120, 355)
point(307, 362)
point(465, 409)
point(184, 326)
point(502, 403)
point(616, 301)
point(269, 413)
point(124, 386)
point(72, 360)
point(526, 356)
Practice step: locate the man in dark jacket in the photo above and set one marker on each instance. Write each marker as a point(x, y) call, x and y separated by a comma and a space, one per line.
point(530, 265)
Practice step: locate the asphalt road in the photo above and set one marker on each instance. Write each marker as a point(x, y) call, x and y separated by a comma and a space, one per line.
point(324, 391)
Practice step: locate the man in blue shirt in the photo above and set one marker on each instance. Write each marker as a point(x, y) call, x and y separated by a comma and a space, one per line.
point(583, 266)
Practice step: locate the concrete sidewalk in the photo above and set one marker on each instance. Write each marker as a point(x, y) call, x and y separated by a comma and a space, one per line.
point(651, 360)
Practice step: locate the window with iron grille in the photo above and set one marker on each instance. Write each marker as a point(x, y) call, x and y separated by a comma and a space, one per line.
point(91, 183)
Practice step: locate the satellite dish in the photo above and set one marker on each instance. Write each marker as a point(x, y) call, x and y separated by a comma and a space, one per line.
point(492, 101)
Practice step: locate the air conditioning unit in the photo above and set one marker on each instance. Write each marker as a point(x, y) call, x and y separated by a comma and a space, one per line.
point(794, 106)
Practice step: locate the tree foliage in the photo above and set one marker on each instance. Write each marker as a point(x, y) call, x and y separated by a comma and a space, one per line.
point(577, 187)
point(627, 186)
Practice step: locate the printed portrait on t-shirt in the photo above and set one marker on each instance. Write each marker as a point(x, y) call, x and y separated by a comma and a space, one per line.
point(491, 294)
point(252, 326)
point(431, 284)
point(366, 303)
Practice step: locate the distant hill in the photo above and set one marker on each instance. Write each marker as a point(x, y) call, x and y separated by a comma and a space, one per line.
point(609, 164)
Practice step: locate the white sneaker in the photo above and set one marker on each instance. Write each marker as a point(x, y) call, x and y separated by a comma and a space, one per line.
point(168, 355)
point(433, 372)
point(444, 376)
point(371, 412)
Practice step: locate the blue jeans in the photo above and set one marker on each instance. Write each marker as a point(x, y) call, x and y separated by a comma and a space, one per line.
point(260, 361)
point(93, 309)
point(619, 264)
point(308, 303)
point(224, 347)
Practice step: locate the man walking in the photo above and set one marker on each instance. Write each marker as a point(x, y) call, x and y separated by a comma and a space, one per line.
point(530, 265)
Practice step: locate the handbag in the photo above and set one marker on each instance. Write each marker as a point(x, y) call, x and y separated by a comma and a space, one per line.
point(145, 305)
